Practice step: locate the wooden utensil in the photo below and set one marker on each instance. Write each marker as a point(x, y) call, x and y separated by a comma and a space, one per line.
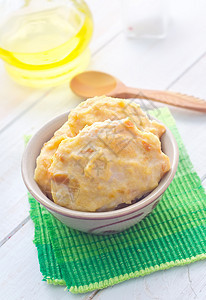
point(94, 83)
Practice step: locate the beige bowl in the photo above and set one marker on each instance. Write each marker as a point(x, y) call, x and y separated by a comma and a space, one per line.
point(95, 222)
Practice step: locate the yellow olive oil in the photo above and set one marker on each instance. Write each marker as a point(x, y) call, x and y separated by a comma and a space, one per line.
point(48, 47)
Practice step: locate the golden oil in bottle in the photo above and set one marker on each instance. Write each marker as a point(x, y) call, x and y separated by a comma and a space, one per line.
point(46, 47)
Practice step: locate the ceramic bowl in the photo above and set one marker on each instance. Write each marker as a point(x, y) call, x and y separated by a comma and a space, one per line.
point(95, 222)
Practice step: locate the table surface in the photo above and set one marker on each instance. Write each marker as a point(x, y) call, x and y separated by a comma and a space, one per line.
point(176, 63)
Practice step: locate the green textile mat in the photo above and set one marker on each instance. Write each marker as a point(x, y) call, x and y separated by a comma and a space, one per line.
point(173, 234)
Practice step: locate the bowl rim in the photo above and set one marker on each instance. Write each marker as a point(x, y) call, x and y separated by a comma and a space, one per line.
point(36, 192)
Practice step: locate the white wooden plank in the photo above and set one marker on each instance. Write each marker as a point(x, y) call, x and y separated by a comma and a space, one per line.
point(107, 22)
point(13, 96)
point(193, 83)
point(14, 207)
point(179, 283)
point(20, 275)
point(151, 64)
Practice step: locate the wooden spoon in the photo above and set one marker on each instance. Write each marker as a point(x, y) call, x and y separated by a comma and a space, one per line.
point(94, 83)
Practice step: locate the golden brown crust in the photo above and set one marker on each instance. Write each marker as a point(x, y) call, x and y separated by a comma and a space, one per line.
point(44, 160)
point(93, 161)
point(99, 109)
point(106, 164)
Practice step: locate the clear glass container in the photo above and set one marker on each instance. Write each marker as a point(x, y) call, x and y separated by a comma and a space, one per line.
point(145, 18)
point(44, 42)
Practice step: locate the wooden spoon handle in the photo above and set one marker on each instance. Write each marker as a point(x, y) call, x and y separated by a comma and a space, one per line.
point(171, 98)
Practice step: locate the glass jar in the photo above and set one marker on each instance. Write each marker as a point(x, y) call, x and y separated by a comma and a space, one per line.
point(44, 42)
point(145, 18)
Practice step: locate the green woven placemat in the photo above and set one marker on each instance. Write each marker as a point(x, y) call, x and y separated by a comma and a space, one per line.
point(173, 234)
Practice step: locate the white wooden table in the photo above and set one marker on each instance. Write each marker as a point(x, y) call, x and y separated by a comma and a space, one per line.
point(177, 63)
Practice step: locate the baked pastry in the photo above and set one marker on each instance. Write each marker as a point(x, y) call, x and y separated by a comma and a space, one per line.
point(99, 109)
point(44, 160)
point(106, 164)
point(104, 147)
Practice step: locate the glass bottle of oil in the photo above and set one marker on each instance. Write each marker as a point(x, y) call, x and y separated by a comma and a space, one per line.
point(44, 42)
